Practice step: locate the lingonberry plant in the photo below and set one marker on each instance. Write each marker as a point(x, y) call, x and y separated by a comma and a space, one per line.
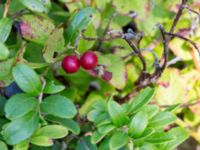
point(99, 74)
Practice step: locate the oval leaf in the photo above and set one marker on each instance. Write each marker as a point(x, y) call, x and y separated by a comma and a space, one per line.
point(4, 52)
point(27, 79)
point(58, 106)
point(5, 28)
point(140, 100)
point(52, 131)
point(79, 22)
point(117, 114)
point(138, 124)
point(51, 88)
point(54, 43)
point(118, 140)
point(68, 123)
point(35, 28)
point(42, 141)
point(37, 5)
point(21, 129)
point(160, 137)
point(19, 105)
point(97, 137)
point(162, 119)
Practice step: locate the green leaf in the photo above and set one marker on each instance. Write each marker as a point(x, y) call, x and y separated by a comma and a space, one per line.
point(52, 131)
point(52, 88)
point(71, 125)
point(2, 105)
point(102, 119)
point(180, 134)
point(5, 28)
point(83, 44)
point(22, 146)
point(105, 129)
point(21, 129)
point(97, 137)
point(162, 119)
point(151, 110)
point(115, 65)
point(117, 114)
point(42, 141)
point(85, 144)
point(5, 69)
point(3, 146)
point(58, 106)
point(79, 22)
point(27, 79)
point(118, 140)
point(160, 137)
point(37, 5)
point(19, 105)
point(54, 43)
point(36, 28)
point(148, 147)
point(140, 100)
point(138, 124)
point(4, 52)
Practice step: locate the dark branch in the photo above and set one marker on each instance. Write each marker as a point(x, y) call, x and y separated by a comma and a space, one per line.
point(185, 39)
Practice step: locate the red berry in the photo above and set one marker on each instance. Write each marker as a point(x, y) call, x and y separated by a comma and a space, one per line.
point(71, 64)
point(89, 60)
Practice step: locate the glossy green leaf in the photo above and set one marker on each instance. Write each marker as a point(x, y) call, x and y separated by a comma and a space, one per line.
point(117, 114)
point(160, 137)
point(138, 124)
point(151, 110)
point(42, 141)
point(54, 43)
point(22, 146)
point(5, 28)
point(3, 146)
point(148, 147)
point(118, 140)
point(37, 5)
point(52, 131)
point(19, 105)
point(79, 22)
point(162, 119)
point(141, 100)
point(105, 129)
point(97, 137)
point(4, 52)
point(6, 69)
point(85, 144)
point(180, 134)
point(70, 124)
point(27, 79)
point(21, 129)
point(58, 106)
point(36, 28)
point(52, 88)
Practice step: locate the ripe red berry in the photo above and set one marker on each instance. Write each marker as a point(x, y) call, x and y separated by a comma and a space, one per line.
point(71, 64)
point(89, 60)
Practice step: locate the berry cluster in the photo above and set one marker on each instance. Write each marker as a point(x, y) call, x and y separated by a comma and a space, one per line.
point(88, 61)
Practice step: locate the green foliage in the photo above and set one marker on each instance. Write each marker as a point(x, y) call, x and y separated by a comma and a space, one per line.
point(138, 127)
point(108, 107)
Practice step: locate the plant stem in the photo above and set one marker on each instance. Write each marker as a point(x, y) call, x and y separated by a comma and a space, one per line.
point(6, 9)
